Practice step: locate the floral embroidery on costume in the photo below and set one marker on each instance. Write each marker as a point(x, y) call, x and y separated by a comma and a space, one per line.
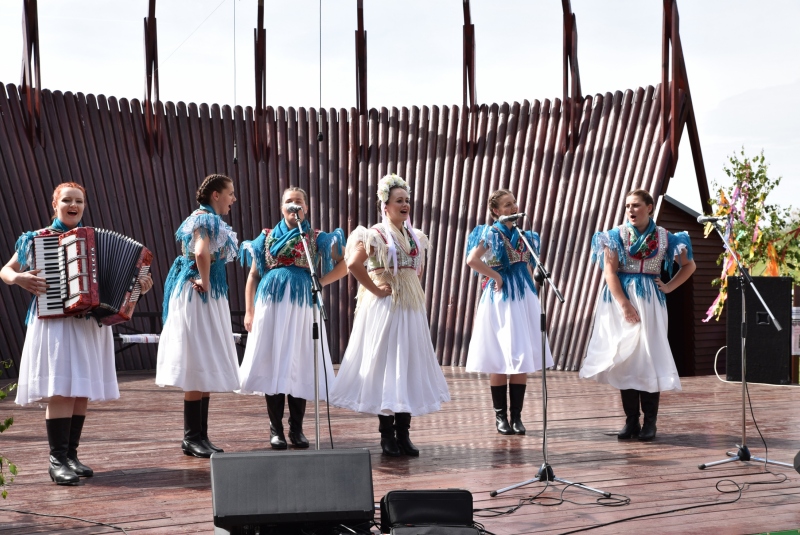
point(281, 259)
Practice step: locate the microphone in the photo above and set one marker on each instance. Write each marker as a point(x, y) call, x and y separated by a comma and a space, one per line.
point(512, 217)
point(711, 218)
point(293, 208)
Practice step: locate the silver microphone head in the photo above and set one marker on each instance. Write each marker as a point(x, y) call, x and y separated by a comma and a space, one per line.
point(293, 208)
point(711, 219)
point(512, 217)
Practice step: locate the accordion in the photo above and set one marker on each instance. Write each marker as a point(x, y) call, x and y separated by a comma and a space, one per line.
point(91, 272)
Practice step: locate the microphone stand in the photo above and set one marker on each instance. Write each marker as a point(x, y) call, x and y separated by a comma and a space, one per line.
point(743, 453)
point(546, 470)
point(319, 308)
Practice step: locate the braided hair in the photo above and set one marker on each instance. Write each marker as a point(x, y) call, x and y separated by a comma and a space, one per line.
point(212, 183)
point(494, 200)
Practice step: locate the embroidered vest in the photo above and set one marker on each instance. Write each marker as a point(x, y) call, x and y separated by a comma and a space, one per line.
point(405, 260)
point(520, 254)
point(649, 266)
point(294, 257)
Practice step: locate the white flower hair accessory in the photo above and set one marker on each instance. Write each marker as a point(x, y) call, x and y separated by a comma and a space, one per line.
point(388, 182)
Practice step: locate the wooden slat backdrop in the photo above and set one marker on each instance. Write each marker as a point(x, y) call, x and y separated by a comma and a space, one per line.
point(100, 143)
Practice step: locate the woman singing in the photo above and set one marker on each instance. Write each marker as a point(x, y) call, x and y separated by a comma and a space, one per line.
point(279, 358)
point(196, 351)
point(389, 367)
point(66, 361)
point(629, 348)
point(506, 338)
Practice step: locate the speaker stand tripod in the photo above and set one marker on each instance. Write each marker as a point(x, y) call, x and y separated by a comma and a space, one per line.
point(546, 472)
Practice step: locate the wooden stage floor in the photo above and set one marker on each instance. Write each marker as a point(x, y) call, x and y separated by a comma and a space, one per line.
point(145, 484)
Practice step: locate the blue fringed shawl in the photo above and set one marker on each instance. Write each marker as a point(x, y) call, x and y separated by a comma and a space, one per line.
point(644, 284)
point(223, 246)
point(273, 281)
point(516, 277)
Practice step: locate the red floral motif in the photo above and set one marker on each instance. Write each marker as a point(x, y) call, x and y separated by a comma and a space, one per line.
point(648, 248)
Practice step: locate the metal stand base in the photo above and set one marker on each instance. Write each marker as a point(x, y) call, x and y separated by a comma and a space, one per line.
point(742, 454)
point(546, 471)
point(546, 474)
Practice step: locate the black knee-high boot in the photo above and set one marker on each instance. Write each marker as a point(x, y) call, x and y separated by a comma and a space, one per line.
point(630, 404)
point(650, 409)
point(500, 403)
point(58, 437)
point(297, 410)
point(75, 430)
point(402, 425)
point(516, 395)
point(193, 430)
point(388, 440)
point(275, 404)
point(207, 442)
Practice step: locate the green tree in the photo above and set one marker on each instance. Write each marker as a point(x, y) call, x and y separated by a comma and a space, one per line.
point(765, 237)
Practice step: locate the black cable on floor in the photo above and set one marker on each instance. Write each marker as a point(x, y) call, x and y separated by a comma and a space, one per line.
point(738, 489)
point(614, 500)
point(96, 523)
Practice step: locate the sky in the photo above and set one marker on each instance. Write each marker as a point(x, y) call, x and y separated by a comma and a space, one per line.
point(741, 60)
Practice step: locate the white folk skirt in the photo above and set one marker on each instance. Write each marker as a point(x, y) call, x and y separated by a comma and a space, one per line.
point(390, 365)
point(196, 351)
point(279, 357)
point(506, 336)
point(631, 355)
point(70, 357)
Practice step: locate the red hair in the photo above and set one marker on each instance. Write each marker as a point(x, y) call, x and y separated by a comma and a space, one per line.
point(65, 185)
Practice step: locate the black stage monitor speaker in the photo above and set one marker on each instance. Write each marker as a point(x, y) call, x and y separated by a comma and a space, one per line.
point(768, 350)
point(289, 490)
point(432, 508)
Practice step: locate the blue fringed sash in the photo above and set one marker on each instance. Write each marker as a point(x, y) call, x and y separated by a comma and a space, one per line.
point(273, 286)
point(184, 269)
point(516, 281)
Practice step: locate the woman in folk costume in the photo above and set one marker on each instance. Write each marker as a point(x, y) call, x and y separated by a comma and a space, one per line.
point(390, 367)
point(629, 348)
point(279, 358)
point(196, 351)
point(66, 361)
point(506, 338)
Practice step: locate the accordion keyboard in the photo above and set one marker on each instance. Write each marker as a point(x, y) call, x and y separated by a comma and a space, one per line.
point(49, 258)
